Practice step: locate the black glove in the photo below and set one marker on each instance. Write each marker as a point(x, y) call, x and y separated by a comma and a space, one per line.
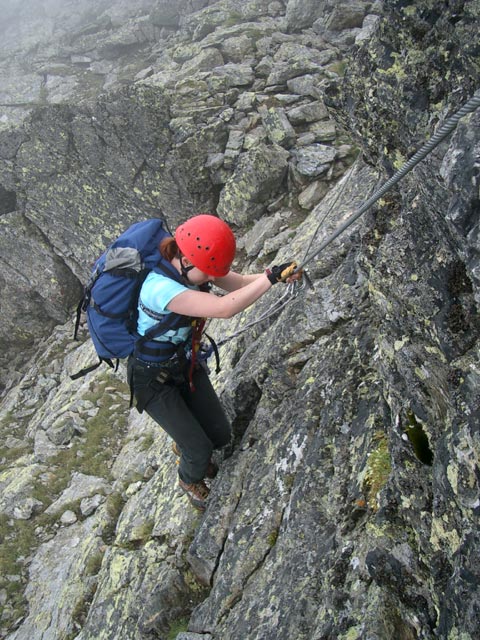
point(275, 273)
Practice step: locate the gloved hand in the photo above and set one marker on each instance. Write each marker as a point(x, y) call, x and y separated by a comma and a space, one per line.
point(275, 273)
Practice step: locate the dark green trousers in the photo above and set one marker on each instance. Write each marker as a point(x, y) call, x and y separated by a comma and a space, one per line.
point(195, 420)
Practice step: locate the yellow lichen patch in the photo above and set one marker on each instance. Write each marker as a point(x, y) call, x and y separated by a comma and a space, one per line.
point(455, 634)
point(399, 344)
point(378, 470)
point(399, 160)
point(379, 297)
point(397, 69)
point(440, 536)
point(436, 351)
point(452, 475)
point(352, 634)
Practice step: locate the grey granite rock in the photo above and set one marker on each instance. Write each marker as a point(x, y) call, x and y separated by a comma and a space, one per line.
point(347, 503)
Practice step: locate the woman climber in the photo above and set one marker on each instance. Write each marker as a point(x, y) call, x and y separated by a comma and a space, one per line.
point(167, 379)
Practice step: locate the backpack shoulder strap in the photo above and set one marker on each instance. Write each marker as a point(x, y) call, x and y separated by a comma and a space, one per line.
point(167, 269)
point(169, 321)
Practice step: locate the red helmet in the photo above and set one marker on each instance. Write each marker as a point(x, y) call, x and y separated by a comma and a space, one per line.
point(208, 243)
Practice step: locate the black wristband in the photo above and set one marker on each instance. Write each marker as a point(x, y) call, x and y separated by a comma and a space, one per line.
point(271, 276)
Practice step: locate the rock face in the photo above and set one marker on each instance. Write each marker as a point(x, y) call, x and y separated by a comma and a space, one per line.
point(347, 505)
point(132, 110)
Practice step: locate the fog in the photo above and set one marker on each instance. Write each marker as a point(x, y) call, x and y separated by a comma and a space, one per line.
point(18, 15)
point(44, 43)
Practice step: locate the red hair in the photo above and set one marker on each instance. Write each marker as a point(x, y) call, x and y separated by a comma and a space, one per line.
point(169, 249)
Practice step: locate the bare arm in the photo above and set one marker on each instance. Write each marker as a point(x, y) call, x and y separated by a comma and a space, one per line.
point(205, 305)
point(233, 281)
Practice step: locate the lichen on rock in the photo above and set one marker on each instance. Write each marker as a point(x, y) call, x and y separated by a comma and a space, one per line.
point(347, 503)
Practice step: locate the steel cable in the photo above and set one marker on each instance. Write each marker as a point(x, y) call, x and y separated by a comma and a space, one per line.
point(293, 289)
point(470, 106)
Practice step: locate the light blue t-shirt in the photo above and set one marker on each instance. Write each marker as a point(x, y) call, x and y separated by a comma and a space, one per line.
point(156, 293)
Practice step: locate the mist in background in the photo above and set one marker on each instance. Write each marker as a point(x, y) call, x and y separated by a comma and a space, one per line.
point(24, 23)
point(65, 51)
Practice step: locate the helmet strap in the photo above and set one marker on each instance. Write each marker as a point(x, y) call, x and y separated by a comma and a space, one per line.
point(185, 269)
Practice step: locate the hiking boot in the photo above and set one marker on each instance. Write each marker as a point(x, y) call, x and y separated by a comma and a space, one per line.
point(212, 468)
point(211, 471)
point(196, 492)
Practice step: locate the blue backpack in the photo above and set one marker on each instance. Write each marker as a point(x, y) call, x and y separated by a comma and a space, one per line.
point(111, 295)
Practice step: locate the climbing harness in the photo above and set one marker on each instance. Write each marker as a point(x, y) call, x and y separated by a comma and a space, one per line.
point(295, 287)
point(199, 351)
